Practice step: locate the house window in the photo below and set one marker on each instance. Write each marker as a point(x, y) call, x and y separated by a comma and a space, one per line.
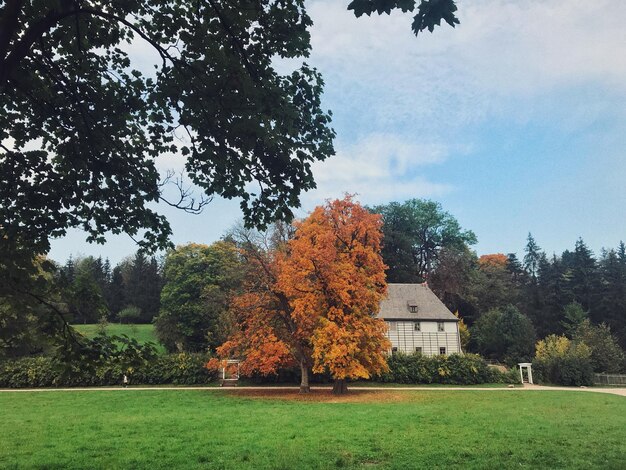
point(417, 326)
point(418, 350)
point(442, 350)
point(393, 326)
point(440, 326)
point(394, 351)
point(413, 308)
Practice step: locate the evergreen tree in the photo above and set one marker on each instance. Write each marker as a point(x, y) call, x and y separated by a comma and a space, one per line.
point(573, 317)
point(143, 286)
point(611, 305)
point(532, 257)
point(551, 295)
point(86, 301)
point(68, 272)
point(532, 302)
point(583, 281)
point(116, 295)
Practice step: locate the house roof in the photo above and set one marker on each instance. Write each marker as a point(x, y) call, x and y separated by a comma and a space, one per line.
point(401, 296)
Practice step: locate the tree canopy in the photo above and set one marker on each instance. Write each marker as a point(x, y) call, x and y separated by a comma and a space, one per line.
point(199, 281)
point(335, 272)
point(81, 125)
point(415, 233)
point(312, 300)
point(505, 334)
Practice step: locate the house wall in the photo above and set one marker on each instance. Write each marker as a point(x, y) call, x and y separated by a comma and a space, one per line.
point(404, 337)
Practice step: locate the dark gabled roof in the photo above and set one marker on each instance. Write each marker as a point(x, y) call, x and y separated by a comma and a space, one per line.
point(401, 296)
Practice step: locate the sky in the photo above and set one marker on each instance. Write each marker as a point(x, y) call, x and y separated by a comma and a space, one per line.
point(515, 121)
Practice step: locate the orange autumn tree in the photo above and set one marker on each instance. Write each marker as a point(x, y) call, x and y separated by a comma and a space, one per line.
point(335, 274)
point(494, 261)
point(312, 300)
point(266, 335)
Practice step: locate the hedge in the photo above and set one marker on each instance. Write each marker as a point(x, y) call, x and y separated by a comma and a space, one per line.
point(455, 369)
point(568, 370)
point(188, 369)
point(45, 371)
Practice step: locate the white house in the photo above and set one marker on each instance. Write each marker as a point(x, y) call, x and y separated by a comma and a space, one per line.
point(418, 321)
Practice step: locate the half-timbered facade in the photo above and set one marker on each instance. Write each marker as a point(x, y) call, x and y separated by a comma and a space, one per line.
point(418, 321)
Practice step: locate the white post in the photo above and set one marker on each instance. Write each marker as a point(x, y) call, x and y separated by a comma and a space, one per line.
point(530, 375)
point(521, 373)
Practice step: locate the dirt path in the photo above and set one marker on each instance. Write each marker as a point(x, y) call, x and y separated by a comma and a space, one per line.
point(525, 388)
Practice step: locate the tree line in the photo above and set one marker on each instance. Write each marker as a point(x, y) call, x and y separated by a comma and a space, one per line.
point(506, 302)
point(93, 291)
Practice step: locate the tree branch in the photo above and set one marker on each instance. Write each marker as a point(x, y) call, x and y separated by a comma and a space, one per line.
point(8, 26)
point(32, 35)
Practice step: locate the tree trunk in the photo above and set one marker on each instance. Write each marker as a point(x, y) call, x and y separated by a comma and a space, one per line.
point(340, 387)
point(304, 380)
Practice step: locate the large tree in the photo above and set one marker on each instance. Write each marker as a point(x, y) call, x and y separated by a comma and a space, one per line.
point(415, 233)
point(81, 125)
point(199, 281)
point(315, 299)
point(504, 334)
point(265, 334)
point(335, 272)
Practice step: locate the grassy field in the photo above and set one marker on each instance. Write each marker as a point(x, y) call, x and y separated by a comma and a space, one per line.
point(273, 429)
point(143, 333)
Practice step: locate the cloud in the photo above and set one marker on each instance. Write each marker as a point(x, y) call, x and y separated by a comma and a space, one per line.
point(380, 168)
point(503, 53)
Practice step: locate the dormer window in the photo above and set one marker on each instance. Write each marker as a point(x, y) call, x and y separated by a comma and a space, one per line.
point(413, 308)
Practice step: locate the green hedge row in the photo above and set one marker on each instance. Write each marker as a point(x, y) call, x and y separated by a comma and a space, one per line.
point(455, 369)
point(44, 371)
point(188, 369)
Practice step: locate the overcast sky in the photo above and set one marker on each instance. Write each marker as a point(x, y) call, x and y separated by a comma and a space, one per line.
point(514, 121)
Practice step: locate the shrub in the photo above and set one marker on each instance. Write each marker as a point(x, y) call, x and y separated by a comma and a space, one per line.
point(130, 314)
point(104, 363)
point(561, 361)
point(606, 355)
point(178, 369)
point(455, 369)
point(511, 376)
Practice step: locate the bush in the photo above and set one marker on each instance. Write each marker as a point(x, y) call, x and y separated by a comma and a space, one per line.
point(606, 355)
point(561, 361)
point(511, 376)
point(455, 369)
point(105, 362)
point(130, 314)
point(33, 372)
point(178, 369)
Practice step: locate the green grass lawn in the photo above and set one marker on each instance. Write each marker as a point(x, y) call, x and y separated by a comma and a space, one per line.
point(229, 429)
point(142, 333)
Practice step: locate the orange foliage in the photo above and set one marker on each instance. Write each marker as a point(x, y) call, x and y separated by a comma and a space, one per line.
point(335, 277)
point(314, 302)
point(265, 338)
point(495, 261)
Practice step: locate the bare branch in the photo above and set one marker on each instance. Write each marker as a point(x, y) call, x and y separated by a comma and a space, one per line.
point(186, 201)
